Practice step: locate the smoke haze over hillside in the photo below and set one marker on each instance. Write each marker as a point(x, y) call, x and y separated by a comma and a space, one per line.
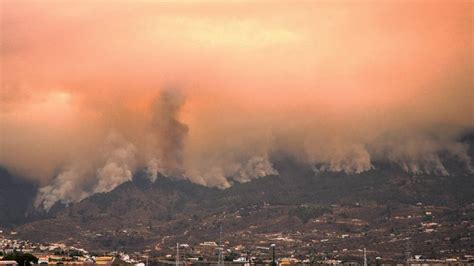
point(92, 92)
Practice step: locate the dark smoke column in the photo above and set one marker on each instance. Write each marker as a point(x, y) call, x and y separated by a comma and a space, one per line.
point(169, 131)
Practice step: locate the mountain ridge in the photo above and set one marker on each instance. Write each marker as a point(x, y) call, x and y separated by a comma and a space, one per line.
point(171, 207)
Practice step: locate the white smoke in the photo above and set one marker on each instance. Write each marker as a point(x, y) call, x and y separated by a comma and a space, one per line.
point(119, 165)
point(255, 167)
point(65, 189)
point(327, 106)
point(119, 158)
point(422, 153)
point(115, 166)
point(223, 175)
point(153, 168)
point(164, 147)
point(213, 177)
point(460, 151)
point(334, 157)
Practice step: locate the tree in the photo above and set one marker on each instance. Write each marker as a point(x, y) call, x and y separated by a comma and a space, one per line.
point(305, 213)
point(21, 258)
point(231, 256)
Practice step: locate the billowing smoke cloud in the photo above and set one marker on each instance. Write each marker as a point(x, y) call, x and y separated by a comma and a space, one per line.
point(119, 164)
point(169, 134)
point(348, 158)
point(164, 146)
point(116, 166)
point(257, 166)
point(64, 188)
point(339, 87)
point(224, 171)
point(423, 153)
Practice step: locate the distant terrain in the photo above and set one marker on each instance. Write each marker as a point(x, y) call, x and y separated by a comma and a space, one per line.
point(16, 199)
point(383, 209)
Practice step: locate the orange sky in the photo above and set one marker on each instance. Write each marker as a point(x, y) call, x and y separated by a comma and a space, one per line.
point(308, 78)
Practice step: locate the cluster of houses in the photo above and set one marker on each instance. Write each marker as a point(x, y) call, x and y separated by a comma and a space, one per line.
point(203, 254)
point(58, 253)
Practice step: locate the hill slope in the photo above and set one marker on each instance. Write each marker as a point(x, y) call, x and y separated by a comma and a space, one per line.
point(16, 197)
point(138, 215)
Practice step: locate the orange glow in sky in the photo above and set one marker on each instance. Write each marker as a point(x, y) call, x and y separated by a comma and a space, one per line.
point(252, 72)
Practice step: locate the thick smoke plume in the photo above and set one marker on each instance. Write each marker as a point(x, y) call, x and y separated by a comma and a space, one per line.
point(339, 87)
point(116, 165)
point(169, 134)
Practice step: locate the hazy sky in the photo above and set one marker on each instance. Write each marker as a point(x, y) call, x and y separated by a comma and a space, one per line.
point(93, 90)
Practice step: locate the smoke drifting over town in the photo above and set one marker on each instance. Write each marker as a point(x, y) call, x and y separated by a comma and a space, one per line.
point(86, 99)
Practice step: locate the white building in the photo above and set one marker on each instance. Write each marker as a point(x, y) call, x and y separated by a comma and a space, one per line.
point(8, 263)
